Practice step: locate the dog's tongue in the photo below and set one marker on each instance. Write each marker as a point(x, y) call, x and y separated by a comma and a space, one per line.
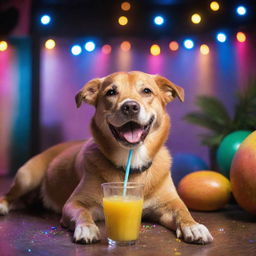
point(133, 134)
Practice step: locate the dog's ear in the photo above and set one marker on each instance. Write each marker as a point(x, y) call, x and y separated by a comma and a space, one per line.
point(89, 92)
point(169, 89)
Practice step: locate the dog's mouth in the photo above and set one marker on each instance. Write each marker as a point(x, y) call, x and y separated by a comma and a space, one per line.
point(131, 133)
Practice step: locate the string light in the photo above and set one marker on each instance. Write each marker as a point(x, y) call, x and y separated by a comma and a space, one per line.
point(159, 20)
point(89, 46)
point(241, 37)
point(214, 6)
point(196, 18)
point(45, 19)
point(241, 10)
point(50, 44)
point(106, 49)
point(125, 46)
point(123, 20)
point(76, 49)
point(173, 46)
point(188, 43)
point(3, 46)
point(125, 6)
point(221, 37)
point(204, 49)
point(155, 49)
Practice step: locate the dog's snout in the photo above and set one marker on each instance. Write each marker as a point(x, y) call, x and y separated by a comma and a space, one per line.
point(130, 108)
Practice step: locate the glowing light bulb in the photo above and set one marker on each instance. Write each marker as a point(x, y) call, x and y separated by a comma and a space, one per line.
point(196, 18)
point(89, 46)
point(159, 20)
point(123, 20)
point(125, 6)
point(50, 44)
point(241, 10)
point(76, 49)
point(173, 46)
point(214, 6)
point(106, 49)
point(241, 37)
point(155, 49)
point(189, 44)
point(204, 49)
point(125, 46)
point(45, 19)
point(221, 37)
point(3, 46)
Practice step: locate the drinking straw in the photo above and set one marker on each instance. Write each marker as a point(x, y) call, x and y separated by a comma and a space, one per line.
point(127, 171)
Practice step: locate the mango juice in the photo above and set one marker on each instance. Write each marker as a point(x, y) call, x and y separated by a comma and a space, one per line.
point(123, 217)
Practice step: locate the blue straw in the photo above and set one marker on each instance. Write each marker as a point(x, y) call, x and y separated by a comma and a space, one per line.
point(127, 171)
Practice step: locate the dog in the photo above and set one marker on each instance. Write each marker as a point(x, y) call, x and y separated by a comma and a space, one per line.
point(130, 113)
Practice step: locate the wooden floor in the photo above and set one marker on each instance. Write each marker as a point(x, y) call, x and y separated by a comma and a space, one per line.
point(39, 233)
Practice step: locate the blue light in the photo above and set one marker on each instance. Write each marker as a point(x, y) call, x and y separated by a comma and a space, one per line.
point(45, 19)
point(221, 37)
point(89, 46)
point(188, 43)
point(159, 20)
point(76, 49)
point(241, 10)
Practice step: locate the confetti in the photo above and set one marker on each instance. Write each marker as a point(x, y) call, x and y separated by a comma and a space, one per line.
point(178, 240)
point(221, 229)
point(177, 253)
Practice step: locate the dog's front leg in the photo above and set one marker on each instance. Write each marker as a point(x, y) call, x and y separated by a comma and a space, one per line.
point(78, 213)
point(173, 214)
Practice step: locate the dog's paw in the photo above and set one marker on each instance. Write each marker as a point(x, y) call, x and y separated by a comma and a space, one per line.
point(86, 233)
point(196, 233)
point(4, 208)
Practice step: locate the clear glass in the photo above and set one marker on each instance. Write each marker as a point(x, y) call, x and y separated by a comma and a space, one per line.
point(123, 211)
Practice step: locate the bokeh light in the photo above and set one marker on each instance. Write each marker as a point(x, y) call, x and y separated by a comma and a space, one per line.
point(3, 46)
point(76, 49)
point(89, 46)
point(125, 6)
point(241, 37)
point(204, 49)
point(241, 10)
point(155, 49)
point(123, 20)
point(196, 18)
point(45, 19)
point(173, 46)
point(188, 43)
point(125, 46)
point(159, 20)
point(106, 49)
point(214, 6)
point(221, 37)
point(50, 44)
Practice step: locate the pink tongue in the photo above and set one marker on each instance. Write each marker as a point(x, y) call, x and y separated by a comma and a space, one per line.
point(133, 135)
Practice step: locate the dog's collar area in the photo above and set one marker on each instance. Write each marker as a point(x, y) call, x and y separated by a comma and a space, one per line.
point(136, 170)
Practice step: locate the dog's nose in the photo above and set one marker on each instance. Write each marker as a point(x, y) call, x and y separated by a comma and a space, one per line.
point(130, 107)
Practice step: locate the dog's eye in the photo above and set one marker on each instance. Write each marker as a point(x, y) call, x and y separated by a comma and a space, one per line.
point(111, 92)
point(147, 91)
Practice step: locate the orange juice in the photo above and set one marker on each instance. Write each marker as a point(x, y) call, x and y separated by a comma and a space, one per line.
point(123, 217)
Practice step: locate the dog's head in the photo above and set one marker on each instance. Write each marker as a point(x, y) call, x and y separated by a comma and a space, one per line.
point(130, 107)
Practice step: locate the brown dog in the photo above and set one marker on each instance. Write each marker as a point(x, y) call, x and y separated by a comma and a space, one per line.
point(130, 113)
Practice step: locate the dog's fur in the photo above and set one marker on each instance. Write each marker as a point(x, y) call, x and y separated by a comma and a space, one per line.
point(69, 175)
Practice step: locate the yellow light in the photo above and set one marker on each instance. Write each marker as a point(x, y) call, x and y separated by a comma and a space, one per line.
point(196, 18)
point(241, 37)
point(3, 46)
point(122, 20)
point(125, 46)
point(214, 6)
point(155, 49)
point(173, 46)
point(50, 44)
point(106, 49)
point(125, 6)
point(204, 49)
